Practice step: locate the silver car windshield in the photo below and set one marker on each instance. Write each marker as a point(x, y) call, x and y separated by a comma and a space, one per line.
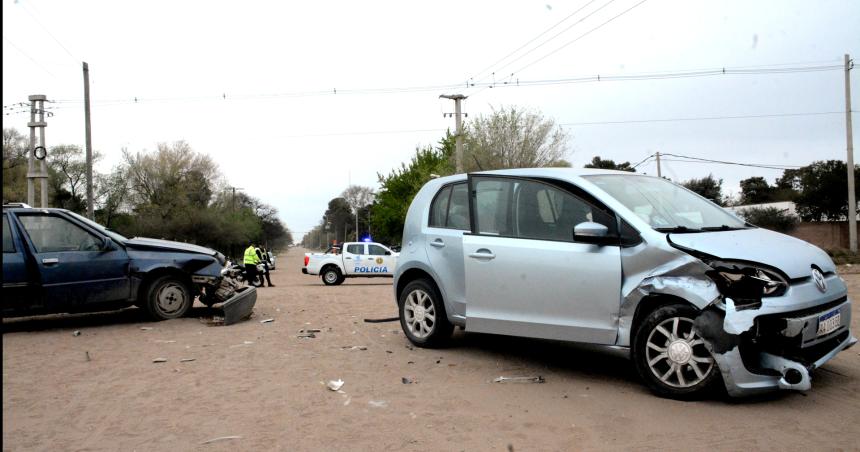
point(666, 206)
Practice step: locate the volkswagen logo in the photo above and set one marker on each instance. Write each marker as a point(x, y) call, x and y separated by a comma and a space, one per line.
point(819, 280)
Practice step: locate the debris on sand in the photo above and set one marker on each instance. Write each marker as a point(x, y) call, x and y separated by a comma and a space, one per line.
point(162, 341)
point(212, 321)
point(159, 360)
point(378, 403)
point(306, 335)
point(267, 320)
point(76, 333)
point(536, 379)
point(187, 360)
point(353, 347)
point(87, 354)
point(220, 438)
point(335, 385)
point(308, 330)
point(387, 319)
point(145, 328)
point(407, 380)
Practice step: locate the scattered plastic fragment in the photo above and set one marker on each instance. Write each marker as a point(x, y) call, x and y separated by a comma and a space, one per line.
point(187, 360)
point(76, 333)
point(354, 347)
point(159, 360)
point(307, 330)
point(378, 403)
point(335, 385)
point(267, 320)
point(220, 438)
point(536, 379)
point(306, 335)
point(387, 319)
point(406, 381)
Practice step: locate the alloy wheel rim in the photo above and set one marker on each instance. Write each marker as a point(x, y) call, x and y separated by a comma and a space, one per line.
point(330, 276)
point(676, 355)
point(419, 313)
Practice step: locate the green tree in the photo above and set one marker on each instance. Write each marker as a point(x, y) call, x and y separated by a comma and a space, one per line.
point(513, 138)
point(599, 163)
point(15, 150)
point(401, 185)
point(756, 190)
point(358, 198)
point(708, 187)
point(822, 189)
point(770, 218)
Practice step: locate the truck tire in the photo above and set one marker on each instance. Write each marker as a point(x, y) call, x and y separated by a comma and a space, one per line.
point(168, 297)
point(671, 358)
point(422, 315)
point(331, 276)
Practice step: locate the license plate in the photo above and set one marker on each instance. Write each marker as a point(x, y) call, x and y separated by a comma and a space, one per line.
point(830, 322)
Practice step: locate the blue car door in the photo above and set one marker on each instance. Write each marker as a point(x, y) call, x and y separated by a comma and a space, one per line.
point(76, 265)
point(17, 284)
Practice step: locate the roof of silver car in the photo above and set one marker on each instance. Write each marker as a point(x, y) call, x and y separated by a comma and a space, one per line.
point(545, 172)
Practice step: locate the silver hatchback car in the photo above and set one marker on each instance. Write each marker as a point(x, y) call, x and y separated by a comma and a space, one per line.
point(693, 294)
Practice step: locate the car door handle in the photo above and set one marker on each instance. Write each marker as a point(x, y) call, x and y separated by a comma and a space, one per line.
point(50, 261)
point(348, 258)
point(438, 243)
point(483, 253)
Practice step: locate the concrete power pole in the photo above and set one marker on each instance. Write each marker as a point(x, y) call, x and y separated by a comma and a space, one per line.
point(37, 106)
point(659, 173)
point(458, 112)
point(89, 141)
point(852, 200)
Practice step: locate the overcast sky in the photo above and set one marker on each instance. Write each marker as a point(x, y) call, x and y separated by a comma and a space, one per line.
point(224, 76)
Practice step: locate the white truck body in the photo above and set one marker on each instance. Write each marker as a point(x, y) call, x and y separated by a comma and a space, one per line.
point(356, 260)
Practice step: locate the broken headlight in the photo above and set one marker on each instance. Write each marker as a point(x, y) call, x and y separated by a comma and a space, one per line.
point(745, 283)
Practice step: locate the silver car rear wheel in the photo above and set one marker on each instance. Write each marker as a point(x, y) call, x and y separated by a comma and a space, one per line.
point(419, 313)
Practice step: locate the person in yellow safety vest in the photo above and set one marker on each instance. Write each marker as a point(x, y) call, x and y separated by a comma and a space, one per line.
point(261, 255)
point(251, 261)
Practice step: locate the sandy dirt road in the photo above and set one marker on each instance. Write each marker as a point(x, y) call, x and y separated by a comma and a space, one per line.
point(260, 382)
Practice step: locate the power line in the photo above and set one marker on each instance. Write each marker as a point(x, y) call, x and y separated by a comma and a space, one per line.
point(701, 118)
point(551, 38)
point(662, 75)
point(482, 71)
point(38, 22)
point(724, 162)
point(643, 161)
point(28, 56)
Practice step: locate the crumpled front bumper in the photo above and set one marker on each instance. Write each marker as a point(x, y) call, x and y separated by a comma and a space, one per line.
point(781, 350)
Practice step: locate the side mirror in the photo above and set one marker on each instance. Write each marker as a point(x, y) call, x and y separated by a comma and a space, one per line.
point(107, 244)
point(591, 232)
point(388, 253)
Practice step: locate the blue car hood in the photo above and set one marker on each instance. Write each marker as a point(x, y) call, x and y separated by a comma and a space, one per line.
point(167, 245)
point(793, 256)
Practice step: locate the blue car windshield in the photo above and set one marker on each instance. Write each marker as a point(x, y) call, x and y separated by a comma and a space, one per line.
point(115, 236)
point(664, 205)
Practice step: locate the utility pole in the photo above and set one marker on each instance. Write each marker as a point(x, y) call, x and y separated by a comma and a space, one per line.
point(458, 153)
point(852, 200)
point(89, 141)
point(37, 152)
point(659, 173)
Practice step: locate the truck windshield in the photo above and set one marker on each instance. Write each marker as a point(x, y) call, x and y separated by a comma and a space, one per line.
point(115, 236)
point(667, 207)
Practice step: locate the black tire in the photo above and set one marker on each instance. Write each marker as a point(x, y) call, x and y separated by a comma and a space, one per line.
point(331, 276)
point(419, 331)
point(684, 382)
point(168, 297)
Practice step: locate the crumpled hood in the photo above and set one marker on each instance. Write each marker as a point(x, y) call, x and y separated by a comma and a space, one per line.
point(147, 243)
point(793, 256)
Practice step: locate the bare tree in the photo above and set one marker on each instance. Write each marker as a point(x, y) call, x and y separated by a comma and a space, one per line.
point(14, 148)
point(514, 138)
point(69, 163)
point(358, 197)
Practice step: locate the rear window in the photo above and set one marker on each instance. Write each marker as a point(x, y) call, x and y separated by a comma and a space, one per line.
point(355, 249)
point(450, 208)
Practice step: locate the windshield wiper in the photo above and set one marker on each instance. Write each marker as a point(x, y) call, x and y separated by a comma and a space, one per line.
point(724, 227)
point(678, 229)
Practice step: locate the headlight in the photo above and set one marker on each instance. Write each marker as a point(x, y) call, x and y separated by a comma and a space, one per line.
point(747, 283)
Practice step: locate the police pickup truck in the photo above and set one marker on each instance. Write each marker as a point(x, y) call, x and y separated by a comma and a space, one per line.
point(56, 261)
point(353, 260)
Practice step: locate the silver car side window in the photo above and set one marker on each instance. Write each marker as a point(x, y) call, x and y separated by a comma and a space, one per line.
point(458, 208)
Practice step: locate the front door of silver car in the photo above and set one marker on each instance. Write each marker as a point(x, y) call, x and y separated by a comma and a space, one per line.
point(526, 274)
